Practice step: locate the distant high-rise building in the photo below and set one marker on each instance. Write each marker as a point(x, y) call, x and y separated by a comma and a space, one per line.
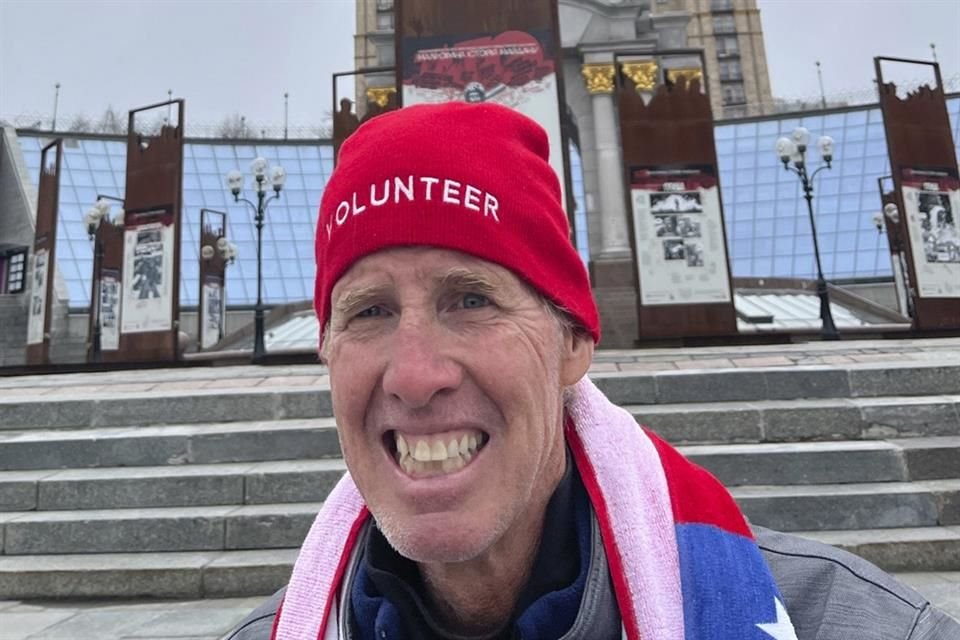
point(731, 35)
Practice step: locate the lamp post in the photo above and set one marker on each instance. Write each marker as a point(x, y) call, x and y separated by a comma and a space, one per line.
point(99, 212)
point(235, 182)
point(792, 152)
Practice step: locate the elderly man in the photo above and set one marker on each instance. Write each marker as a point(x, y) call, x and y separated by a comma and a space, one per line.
point(493, 491)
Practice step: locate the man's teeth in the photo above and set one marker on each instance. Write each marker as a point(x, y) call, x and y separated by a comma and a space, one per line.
point(436, 454)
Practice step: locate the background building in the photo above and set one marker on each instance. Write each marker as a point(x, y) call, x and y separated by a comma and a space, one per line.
point(731, 36)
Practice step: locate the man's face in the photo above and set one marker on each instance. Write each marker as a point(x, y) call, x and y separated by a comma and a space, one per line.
point(447, 374)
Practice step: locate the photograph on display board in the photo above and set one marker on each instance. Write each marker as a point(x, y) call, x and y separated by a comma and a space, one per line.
point(147, 288)
point(38, 297)
point(941, 241)
point(679, 236)
point(110, 310)
point(932, 202)
point(515, 69)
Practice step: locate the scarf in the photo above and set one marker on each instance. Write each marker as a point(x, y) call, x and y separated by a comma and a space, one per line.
point(682, 559)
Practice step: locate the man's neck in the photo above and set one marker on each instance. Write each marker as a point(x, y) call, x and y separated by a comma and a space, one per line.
point(478, 596)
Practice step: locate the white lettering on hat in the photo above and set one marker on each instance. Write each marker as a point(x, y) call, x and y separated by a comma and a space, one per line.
point(471, 200)
point(429, 182)
point(399, 186)
point(379, 202)
point(451, 192)
point(490, 205)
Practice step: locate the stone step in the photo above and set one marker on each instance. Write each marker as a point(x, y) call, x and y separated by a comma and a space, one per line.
point(785, 508)
point(102, 406)
point(173, 444)
point(215, 574)
point(901, 549)
point(165, 486)
point(781, 383)
point(874, 505)
point(726, 422)
point(211, 574)
point(798, 420)
point(210, 528)
point(800, 463)
point(311, 480)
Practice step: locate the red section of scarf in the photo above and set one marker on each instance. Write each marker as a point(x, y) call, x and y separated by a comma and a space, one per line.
point(697, 497)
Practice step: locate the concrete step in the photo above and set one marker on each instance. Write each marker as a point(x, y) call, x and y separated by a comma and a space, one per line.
point(726, 422)
point(798, 420)
point(173, 445)
point(210, 528)
point(169, 486)
point(786, 508)
point(874, 505)
point(212, 574)
point(104, 408)
point(901, 549)
point(781, 383)
point(120, 405)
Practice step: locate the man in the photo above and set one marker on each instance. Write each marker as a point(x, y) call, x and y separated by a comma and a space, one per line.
point(493, 491)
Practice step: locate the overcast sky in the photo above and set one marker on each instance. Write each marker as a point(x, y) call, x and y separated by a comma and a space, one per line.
point(236, 56)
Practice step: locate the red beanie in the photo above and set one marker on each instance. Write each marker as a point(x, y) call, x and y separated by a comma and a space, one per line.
point(473, 178)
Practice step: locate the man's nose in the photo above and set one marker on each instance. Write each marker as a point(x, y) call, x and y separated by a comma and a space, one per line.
point(418, 368)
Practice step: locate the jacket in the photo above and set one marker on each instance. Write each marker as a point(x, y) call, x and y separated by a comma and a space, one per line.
point(829, 593)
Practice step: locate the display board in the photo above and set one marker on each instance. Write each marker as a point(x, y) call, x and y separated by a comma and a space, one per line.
point(501, 51)
point(150, 290)
point(923, 164)
point(678, 234)
point(684, 288)
point(148, 260)
point(931, 201)
point(43, 260)
point(213, 263)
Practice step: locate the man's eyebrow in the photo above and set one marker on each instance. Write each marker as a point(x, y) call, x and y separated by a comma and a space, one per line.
point(459, 278)
point(360, 296)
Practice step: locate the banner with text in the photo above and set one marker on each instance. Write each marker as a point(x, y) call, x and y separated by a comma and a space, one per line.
point(516, 69)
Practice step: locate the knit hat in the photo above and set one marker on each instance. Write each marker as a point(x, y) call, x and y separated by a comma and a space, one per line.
point(473, 178)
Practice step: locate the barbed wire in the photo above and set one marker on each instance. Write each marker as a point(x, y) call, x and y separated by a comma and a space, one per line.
point(237, 127)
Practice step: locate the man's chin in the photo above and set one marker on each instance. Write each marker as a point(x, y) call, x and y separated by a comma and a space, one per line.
point(436, 541)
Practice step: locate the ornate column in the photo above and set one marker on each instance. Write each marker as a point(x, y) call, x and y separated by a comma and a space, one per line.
point(613, 216)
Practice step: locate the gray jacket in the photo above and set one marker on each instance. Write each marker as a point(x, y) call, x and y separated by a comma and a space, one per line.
point(830, 595)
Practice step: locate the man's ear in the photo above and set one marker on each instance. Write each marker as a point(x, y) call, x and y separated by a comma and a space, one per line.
point(576, 358)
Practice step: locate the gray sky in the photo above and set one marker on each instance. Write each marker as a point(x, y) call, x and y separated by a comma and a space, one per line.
point(240, 56)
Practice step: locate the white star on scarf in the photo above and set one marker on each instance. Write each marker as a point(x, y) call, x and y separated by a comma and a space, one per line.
point(782, 629)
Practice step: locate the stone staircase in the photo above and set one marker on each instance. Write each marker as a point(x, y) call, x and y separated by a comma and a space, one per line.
point(188, 483)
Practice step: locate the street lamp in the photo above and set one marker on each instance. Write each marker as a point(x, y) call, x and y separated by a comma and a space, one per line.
point(261, 183)
point(792, 152)
point(96, 215)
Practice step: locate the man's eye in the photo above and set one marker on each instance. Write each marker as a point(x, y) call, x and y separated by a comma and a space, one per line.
point(371, 312)
point(474, 301)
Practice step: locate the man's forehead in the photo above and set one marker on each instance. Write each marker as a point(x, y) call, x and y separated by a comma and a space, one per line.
point(427, 265)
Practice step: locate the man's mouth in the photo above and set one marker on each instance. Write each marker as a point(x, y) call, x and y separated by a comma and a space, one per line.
point(424, 456)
